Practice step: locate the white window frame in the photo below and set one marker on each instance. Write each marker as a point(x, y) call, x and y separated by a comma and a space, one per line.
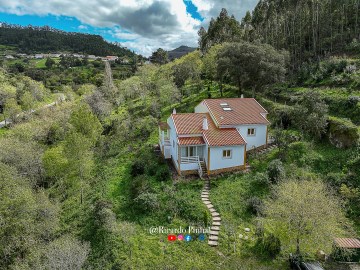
point(187, 151)
point(227, 156)
point(251, 135)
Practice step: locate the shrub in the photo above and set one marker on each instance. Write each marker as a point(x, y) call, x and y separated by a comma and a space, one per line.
point(261, 178)
point(352, 101)
point(275, 171)
point(138, 185)
point(342, 132)
point(55, 134)
point(254, 205)
point(162, 174)
point(272, 245)
point(137, 168)
point(147, 201)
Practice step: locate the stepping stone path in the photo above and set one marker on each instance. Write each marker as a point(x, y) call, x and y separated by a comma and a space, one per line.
point(216, 219)
point(265, 150)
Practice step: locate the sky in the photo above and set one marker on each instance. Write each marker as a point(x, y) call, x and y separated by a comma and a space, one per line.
point(140, 25)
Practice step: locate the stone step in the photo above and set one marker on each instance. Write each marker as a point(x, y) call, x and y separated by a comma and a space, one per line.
point(213, 238)
point(215, 214)
point(206, 202)
point(210, 206)
point(216, 223)
point(212, 210)
point(205, 192)
point(216, 219)
point(213, 243)
point(215, 228)
point(215, 233)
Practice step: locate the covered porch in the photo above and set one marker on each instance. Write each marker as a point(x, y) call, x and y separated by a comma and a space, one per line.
point(164, 139)
point(192, 155)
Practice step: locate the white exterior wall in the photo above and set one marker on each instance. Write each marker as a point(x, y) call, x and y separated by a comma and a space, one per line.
point(201, 108)
point(218, 162)
point(258, 139)
point(173, 141)
point(189, 167)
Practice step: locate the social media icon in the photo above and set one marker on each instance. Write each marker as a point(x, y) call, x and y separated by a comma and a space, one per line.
point(202, 237)
point(171, 237)
point(180, 237)
point(188, 238)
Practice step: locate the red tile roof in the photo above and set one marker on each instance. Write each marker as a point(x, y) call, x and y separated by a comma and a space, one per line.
point(191, 123)
point(243, 111)
point(191, 141)
point(348, 242)
point(188, 123)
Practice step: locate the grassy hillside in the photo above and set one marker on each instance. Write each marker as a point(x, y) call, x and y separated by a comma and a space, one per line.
point(124, 188)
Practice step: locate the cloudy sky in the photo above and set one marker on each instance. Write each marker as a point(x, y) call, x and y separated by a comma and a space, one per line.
point(140, 25)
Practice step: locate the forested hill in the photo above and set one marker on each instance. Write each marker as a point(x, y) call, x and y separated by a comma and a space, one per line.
point(180, 51)
point(45, 40)
point(307, 28)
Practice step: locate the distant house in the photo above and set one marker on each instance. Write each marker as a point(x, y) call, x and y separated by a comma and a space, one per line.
point(111, 58)
point(216, 137)
point(9, 57)
point(39, 56)
point(91, 56)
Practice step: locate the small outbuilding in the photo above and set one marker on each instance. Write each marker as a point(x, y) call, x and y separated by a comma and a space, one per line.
point(347, 249)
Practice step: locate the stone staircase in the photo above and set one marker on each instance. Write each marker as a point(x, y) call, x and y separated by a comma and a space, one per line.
point(203, 169)
point(216, 219)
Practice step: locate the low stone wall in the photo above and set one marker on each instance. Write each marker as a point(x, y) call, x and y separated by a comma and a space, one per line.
point(225, 170)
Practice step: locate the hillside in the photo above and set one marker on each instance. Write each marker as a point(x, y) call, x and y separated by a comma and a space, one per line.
point(32, 40)
point(84, 186)
point(179, 52)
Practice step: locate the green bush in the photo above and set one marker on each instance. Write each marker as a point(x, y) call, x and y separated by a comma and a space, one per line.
point(272, 245)
point(138, 185)
point(163, 173)
point(261, 178)
point(342, 132)
point(147, 201)
point(137, 168)
point(254, 205)
point(275, 171)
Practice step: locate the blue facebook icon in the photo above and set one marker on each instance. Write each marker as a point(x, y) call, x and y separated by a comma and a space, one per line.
point(188, 238)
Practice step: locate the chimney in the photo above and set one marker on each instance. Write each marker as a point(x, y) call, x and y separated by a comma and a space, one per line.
point(205, 124)
point(174, 111)
point(242, 95)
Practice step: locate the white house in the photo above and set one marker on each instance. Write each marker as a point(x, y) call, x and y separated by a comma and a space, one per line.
point(216, 137)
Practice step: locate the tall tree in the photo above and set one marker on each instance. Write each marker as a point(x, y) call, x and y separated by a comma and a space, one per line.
point(252, 65)
point(160, 56)
point(224, 28)
point(304, 215)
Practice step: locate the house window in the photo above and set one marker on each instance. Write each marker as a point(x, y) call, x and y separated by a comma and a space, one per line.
point(227, 153)
point(188, 151)
point(173, 144)
point(251, 132)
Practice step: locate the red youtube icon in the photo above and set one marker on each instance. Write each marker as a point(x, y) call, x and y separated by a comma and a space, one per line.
point(171, 237)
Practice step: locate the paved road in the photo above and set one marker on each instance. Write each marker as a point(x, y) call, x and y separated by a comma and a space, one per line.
point(8, 121)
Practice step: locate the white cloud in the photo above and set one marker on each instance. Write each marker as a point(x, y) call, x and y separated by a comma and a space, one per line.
point(82, 27)
point(146, 24)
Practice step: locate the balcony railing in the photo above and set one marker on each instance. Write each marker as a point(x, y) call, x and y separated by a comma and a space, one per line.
point(188, 160)
point(192, 160)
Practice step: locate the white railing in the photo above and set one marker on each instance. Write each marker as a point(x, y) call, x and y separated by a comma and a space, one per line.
point(200, 170)
point(188, 160)
point(191, 160)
